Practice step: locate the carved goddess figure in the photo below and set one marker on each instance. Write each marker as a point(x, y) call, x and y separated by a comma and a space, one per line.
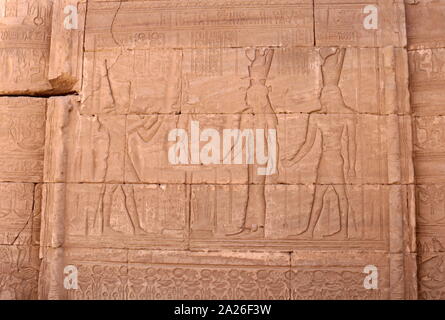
point(335, 121)
point(257, 104)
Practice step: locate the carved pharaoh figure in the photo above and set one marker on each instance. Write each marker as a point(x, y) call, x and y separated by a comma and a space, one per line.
point(117, 91)
point(101, 147)
point(339, 124)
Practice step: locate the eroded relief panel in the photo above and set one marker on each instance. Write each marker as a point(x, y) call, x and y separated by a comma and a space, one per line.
point(66, 50)
point(132, 81)
point(19, 272)
point(22, 132)
point(127, 215)
point(136, 148)
point(41, 46)
point(424, 24)
point(313, 276)
point(340, 23)
point(218, 80)
point(145, 274)
point(320, 216)
point(425, 39)
point(22, 137)
point(20, 239)
point(25, 27)
point(221, 23)
point(20, 213)
point(427, 78)
point(221, 149)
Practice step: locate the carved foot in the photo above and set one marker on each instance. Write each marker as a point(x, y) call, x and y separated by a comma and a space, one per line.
point(254, 231)
point(340, 234)
point(235, 233)
point(304, 235)
point(139, 231)
point(110, 231)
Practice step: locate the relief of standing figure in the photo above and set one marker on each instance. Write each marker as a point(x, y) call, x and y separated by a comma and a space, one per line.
point(257, 103)
point(331, 168)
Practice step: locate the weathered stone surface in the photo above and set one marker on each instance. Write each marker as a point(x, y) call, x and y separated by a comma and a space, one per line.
point(371, 217)
point(431, 281)
point(341, 23)
point(377, 149)
point(235, 216)
point(211, 24)
point(20, 205)
point(41, 50)
point(430, 241)
point(429, 149)
point(222, 149)
point(66, 51)
point(20, 213)
point(222, 80)
point(132, 82)
point(427, 79)
point(425, 24)
point(19, 272)
point(134, 149)
point(317, 276)
point(116, 215)
point(91, 147)
point(22, 136)
point(24, 47)
point(145, 274)
point(425, 39)
point(118, 177)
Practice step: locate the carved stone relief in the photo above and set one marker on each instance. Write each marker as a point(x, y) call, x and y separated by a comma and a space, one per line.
point(222, 149)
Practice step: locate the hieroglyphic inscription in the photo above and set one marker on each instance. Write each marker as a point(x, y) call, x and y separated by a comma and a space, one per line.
point(25, 32)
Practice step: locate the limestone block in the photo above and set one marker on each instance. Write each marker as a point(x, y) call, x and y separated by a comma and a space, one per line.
point(425, 24)
point(431, 276)
point(146, 274)
point(127, 215)
point(341, 275)
point(186, 24)
point(285, 217)
point(343, 23)
point(22, 139)
point(250, 80)
point(83, 148)
point(121, 81)
point(20, 213)
point(348, 148)
point(66, 51)
point(427, 77)
point(308, 148)
point(19, 272)
point(24, 51)
point(429, 149)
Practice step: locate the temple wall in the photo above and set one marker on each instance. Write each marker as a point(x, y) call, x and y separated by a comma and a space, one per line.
point(425, 50)
point(122, 161)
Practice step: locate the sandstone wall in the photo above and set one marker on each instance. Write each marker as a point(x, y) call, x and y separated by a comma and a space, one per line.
point(89, 183)
point(425, 49)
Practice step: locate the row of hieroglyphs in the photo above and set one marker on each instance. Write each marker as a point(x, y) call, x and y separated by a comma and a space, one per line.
point(237, 17)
